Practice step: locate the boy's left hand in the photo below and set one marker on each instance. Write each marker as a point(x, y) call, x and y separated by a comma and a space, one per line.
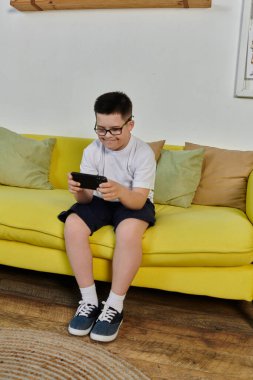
point(110, 190)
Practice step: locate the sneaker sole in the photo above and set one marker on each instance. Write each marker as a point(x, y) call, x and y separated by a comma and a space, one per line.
point(77, 332)
point(105, 338)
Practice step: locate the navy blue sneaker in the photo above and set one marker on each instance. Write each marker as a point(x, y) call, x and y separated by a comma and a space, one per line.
point(107, 325)
point(84, 319)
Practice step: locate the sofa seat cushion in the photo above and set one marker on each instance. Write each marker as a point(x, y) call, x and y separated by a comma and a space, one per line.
point(197, 236)
point(200, 236)
point(30, 215)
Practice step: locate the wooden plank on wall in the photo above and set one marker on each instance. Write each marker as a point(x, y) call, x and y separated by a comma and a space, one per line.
point(25, 5)
point(42, 5)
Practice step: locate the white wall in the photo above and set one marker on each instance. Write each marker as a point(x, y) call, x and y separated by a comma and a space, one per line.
point(177, 65)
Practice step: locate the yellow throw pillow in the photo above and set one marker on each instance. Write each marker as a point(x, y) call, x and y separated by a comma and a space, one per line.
point(177, 177)
point(224, 177)
point(24, 162)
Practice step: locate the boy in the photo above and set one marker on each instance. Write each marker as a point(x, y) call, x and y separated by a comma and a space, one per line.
point(125, 202)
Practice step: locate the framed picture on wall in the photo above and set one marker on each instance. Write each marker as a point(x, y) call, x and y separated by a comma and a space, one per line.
point(244, 79)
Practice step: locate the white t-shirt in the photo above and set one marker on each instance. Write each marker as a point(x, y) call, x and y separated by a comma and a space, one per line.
point(133, 166)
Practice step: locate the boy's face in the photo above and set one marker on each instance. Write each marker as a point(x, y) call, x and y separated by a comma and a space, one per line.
point(115, 123)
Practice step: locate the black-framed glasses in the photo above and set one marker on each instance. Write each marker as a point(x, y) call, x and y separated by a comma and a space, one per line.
point(114, 131)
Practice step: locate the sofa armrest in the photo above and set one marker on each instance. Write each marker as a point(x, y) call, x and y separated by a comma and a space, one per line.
point(249, 198)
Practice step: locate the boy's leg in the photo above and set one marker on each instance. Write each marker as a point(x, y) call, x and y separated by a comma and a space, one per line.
point(81, 220)
point(77, 234)
point(78, 250)
point(127, 254)
point(126, 262)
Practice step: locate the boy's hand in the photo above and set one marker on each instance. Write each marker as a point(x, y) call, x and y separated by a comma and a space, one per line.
point(110, 190)
point(133, 199)
point(74, 187)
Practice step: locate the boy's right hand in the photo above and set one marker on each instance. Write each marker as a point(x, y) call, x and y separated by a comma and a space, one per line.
point(74, 187)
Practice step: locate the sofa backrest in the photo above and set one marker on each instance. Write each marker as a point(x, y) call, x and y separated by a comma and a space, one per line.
point(67, 155)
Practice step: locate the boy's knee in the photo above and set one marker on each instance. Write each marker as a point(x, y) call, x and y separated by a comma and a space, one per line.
point(71, 219)
point(131, 226)
point(130, 231)
point(74, 223)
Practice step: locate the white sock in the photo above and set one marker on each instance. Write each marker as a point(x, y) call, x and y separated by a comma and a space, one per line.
point(89, 295)
point(116, 301)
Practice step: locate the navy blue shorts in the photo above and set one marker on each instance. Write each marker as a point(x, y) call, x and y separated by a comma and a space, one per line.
point(99, 213)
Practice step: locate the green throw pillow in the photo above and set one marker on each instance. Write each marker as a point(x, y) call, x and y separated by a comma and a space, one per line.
point(177, 177)
point(24, 162)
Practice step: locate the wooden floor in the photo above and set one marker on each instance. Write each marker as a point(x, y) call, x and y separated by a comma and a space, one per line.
point(165, 335)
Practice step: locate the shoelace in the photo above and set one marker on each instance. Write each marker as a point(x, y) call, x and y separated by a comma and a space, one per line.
point(107, 313)
point(84, 309)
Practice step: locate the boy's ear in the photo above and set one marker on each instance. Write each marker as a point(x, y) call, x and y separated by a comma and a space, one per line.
point(131, 124)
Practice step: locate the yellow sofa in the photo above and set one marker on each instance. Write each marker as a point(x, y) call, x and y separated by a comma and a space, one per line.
point(205, 250)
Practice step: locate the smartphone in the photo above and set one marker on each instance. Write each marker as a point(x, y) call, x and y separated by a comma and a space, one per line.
point(88, 181)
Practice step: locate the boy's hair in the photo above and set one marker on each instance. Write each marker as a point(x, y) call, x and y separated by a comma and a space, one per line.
point(114, 102)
